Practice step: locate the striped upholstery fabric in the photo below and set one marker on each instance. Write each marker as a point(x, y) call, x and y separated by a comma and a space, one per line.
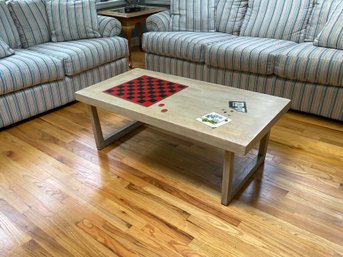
point(319, 17)
point(206, 73)
point(332, 33)
point(255, 55)
point(305, 62)
point(252, 82)
point(5, 50)
point(183, 45)
point(159, 22)
point(230, 15)
point(72, 19)
point(31, 20)
point(312, 98)
point(99, 73)
point(32, 101)
point(176, 67)
point(277, 19)
point(8, 30)
point(108, 26)
point(82, 55)
point(26, 69)
point(193, 15)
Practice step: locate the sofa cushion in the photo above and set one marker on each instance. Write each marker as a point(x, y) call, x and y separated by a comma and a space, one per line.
point(308, 63)
point(332, 34)
point(8, 30)
point(247, 54)
point(5, 50)
point(72, 19)
point(26, 68)
point(277, 19)
point(82, 55)
point(197, 16)
point(230, 15)
point(31, 21)
point(182, 45)
point(319, 17)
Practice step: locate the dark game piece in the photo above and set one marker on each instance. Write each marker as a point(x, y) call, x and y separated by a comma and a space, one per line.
point(164, 110)
point(239, 106)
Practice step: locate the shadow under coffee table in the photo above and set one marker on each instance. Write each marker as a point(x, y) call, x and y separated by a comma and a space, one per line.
point(239, 136)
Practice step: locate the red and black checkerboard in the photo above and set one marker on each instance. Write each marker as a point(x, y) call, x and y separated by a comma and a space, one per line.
point(145, 90)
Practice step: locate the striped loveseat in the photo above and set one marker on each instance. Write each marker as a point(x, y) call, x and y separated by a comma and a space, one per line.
point(40, 75)
point(268, 46)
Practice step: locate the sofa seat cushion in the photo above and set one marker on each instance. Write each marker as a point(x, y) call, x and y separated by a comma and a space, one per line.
point(188, 46)
point(308, 63)
point(82, 55)
point(26, 69)
point(247, 54)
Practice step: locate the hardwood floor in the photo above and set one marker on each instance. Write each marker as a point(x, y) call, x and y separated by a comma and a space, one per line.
point(154, 194)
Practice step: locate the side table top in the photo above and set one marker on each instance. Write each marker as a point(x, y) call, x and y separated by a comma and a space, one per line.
point(120, 13)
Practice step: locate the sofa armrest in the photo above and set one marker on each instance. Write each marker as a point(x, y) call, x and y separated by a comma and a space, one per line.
point(159, 21)
point(108, 26)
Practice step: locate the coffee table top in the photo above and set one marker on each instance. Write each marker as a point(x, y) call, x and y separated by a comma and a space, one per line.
point(198, 99)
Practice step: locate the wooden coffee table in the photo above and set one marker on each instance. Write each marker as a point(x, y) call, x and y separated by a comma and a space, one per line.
point(239, 136)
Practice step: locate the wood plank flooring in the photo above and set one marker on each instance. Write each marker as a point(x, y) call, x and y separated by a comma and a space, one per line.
point(154, 194)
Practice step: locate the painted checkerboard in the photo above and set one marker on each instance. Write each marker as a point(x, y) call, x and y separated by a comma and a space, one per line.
point(145, 90)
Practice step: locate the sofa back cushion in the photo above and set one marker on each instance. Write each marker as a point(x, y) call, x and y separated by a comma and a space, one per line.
point(8, 30)
point(72, 19)
point(31, 20)
point(332, 34)
point(279, 19)
point(197, 16)
point(230, 15)
point(320, 15)
point(5, 50)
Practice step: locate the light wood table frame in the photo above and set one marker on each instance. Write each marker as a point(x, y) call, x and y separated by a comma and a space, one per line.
point(228, 191)
point(132, 20)
point(240, 136)
point(102, 141)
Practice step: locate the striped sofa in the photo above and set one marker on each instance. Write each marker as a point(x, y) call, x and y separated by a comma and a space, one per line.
point(260, 45)
point(42, 75)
